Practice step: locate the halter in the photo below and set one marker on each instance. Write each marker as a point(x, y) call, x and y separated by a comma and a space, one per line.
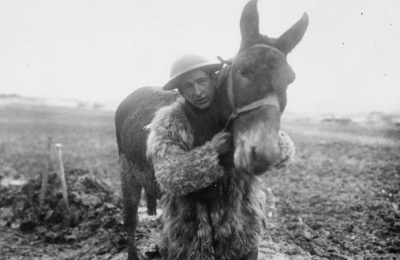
point(236, 111)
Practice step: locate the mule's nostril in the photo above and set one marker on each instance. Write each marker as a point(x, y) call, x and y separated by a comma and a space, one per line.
point(260, 169)
point(264, 160)
point(253, 153)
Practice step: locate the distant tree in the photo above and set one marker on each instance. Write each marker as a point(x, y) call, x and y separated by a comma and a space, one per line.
point(8, 95)
point(82, 105)
point(97, 106)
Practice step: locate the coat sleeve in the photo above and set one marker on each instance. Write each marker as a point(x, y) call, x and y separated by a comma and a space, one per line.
point(183, 172)
point(179, 168)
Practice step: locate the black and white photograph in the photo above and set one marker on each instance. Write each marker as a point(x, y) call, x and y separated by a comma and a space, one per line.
point(199, 130)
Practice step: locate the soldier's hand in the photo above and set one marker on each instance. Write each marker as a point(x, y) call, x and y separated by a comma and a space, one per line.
point(221, 142)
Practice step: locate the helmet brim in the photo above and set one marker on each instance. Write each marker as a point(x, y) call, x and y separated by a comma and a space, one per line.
point(207, 66)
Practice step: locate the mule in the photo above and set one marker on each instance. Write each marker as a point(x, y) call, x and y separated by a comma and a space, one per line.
point(252, 98)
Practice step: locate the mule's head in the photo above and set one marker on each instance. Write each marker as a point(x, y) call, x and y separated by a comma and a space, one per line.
point(260, 73)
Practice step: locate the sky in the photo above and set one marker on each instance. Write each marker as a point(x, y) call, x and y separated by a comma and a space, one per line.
point(102, 50)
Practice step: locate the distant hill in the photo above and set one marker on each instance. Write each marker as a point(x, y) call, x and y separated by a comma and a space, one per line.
point(368, 118)
point(17, 100)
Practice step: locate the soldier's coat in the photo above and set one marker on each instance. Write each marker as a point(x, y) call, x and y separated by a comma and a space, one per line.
point(226, 226)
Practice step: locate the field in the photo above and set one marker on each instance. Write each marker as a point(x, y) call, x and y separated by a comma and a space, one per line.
point(338, 200)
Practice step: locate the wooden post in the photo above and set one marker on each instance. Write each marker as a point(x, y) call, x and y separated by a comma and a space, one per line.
point(63, 182)
point(45, 174)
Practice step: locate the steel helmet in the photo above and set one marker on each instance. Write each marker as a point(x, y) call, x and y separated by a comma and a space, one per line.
point(187, 63)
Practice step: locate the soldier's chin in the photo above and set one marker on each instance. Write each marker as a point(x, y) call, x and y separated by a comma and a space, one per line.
point(203, 104)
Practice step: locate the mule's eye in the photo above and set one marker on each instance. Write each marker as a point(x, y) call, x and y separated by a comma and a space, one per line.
point(245, 72)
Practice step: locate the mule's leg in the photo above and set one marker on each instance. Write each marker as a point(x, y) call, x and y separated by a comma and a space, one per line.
point(151, 204)
point(131, 191)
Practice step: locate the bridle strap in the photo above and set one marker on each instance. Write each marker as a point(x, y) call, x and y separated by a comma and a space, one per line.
point(268, 101)
point(230, 89)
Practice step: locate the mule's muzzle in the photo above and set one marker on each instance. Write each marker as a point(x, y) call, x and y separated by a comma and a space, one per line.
point(256, 140)
point(264, 160)
point(257, 150)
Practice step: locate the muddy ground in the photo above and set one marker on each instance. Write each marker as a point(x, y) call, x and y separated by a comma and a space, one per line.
point(339, 200)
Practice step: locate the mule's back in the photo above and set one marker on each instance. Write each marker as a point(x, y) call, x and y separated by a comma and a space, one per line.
point(133, 114)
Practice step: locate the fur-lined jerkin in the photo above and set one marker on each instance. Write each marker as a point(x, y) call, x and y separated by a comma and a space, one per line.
point(227, 224)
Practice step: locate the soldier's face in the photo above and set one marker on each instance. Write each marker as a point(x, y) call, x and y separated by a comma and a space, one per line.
point(197, 88)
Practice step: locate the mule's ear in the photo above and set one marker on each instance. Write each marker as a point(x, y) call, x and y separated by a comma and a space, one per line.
point(293, 36)
point(249, 24)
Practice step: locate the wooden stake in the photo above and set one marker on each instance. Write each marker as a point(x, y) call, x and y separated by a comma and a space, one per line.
point(45, 174)
point(63, 181)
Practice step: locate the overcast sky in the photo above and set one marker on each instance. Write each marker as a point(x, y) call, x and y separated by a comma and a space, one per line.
point(348, 60)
